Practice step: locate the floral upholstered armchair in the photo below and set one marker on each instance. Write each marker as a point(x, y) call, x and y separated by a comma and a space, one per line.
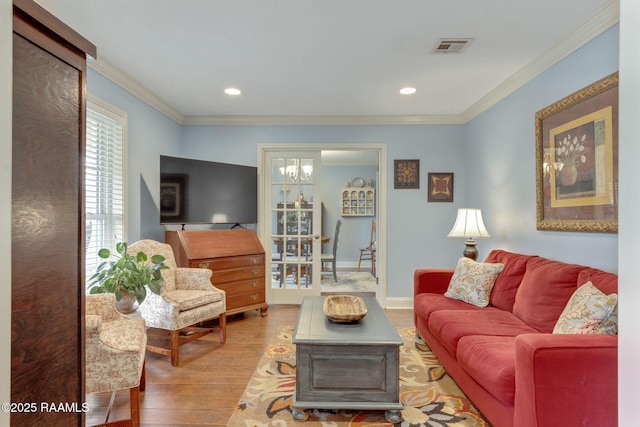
point(115, 349)
point(187, 299)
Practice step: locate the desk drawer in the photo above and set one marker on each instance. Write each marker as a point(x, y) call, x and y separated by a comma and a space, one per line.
point(244, 299)
point(238, 274)
point(234, 288)
point(230, 262)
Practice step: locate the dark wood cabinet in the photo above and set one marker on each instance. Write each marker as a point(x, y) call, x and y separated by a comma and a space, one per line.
point(47, 279)
point(236, 258)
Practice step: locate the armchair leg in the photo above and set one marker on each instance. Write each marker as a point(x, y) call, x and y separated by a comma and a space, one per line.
point(134, 396)
point(143, 376)
point(223, 327)
point(175, 348)
point(134, 404)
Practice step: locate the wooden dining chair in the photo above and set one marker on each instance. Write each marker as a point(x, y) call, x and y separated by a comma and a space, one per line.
point(331, 257)
point(369, 253)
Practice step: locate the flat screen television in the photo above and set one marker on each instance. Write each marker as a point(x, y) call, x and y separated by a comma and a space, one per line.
point(204, 192)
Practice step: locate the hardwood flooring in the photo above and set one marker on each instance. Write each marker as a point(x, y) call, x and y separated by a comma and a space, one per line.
point(205, 388)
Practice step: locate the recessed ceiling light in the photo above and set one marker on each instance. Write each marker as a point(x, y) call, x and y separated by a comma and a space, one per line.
point(232, 91)
point(408, 90)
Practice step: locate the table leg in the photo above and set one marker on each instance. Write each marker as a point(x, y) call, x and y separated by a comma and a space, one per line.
point(300, 414)
point(393, 416)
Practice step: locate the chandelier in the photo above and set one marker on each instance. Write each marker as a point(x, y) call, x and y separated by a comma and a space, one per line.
point(296, 173)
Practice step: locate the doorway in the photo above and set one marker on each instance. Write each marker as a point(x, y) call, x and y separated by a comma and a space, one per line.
point(356, 166)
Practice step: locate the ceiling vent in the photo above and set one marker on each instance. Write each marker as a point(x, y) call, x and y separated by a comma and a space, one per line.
point(451, 45)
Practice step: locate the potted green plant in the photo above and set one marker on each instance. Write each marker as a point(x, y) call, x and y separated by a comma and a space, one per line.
point(127, 276)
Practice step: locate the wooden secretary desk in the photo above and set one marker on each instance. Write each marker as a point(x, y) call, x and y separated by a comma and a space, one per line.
point(236, 258)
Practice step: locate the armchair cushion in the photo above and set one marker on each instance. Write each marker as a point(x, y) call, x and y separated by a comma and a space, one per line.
point(124, 335)
point(186, 299)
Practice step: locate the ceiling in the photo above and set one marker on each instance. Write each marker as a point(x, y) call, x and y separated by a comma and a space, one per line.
point(328, 61)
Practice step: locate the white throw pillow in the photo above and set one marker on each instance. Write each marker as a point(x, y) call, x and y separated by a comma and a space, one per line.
point(589, 311)
point(473, 281)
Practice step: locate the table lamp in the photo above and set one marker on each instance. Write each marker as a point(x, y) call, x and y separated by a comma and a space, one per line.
point(469, 224)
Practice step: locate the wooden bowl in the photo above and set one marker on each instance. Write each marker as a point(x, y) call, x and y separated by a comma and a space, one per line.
point(344, 308)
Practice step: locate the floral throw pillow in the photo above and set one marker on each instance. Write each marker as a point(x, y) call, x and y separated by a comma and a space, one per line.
point(589, 311)
point(473, 281)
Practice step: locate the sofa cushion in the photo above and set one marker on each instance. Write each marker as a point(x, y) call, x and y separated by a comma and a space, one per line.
point(473, 281)
point(586, 310)
point(504, 290)
point(606, 282)
point(449, 326)
point(491, 361)
point(426, 303)
point(545, 289)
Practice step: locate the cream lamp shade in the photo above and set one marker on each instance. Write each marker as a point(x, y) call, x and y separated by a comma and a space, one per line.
point(469, 224)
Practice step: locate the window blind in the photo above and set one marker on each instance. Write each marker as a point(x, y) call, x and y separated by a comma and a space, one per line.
point(104, 181)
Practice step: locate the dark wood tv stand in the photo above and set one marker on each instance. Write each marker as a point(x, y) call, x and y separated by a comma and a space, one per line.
point(236, 258)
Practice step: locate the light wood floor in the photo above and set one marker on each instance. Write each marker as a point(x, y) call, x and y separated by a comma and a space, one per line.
point(207, 385)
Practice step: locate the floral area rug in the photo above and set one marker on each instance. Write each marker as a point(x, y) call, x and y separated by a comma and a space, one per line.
point(430, 397)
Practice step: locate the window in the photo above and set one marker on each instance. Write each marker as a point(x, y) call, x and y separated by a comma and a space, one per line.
point(105, 180)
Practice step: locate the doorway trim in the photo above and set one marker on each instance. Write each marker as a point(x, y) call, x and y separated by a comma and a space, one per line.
point(381, 199)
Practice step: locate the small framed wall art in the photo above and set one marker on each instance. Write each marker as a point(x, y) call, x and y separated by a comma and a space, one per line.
point(406, 174)
point(440, 186)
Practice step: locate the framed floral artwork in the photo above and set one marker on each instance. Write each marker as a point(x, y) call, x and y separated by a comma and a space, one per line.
point(440, 187)
point(406, 174)
point(577, 161)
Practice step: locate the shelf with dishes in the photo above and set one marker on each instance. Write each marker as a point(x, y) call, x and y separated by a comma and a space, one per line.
point(358, 201)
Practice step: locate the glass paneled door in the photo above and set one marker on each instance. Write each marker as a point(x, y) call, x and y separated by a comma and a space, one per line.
point(295, 223)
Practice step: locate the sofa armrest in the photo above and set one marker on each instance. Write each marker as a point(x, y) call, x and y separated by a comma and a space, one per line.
point(566, 380)
point(431, 280)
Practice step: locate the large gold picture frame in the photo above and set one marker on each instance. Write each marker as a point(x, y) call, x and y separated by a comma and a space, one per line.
point(577, 161)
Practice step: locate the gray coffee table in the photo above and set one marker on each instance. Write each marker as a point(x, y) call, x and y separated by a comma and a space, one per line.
point(346, 365)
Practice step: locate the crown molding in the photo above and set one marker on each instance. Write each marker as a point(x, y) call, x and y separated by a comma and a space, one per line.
point(322, 120)
point(601, 22)
point(135, 88)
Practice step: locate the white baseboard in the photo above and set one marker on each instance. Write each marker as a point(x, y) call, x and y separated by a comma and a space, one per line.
point(399, 302)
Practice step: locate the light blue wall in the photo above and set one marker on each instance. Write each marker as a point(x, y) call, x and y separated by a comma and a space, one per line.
point(150, 134)
point(416, 229)
point(501, 161)
point(492, 158)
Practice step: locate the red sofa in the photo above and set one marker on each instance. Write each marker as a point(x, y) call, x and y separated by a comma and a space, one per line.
point(505, 357)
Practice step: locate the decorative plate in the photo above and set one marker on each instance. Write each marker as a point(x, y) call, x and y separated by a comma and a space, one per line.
point(357, 182)
point(344, 308)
